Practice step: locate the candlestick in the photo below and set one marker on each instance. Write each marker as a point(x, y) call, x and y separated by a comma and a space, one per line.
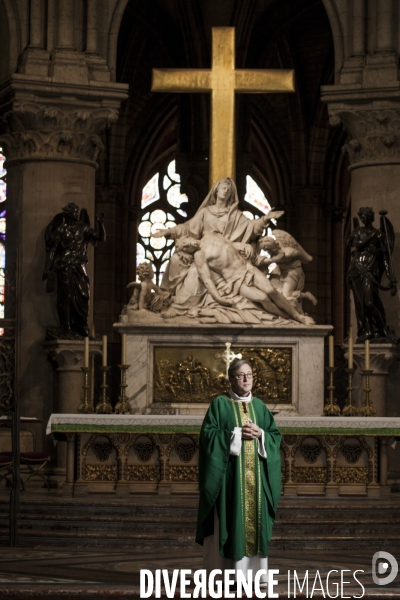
point(86, 353)
point(123, 407)
point(104, 350)
point(86, 406)
point(331, 408)
point(350, 349)
point(350, 410)
point(367, 355)
point(104, 406)
point(123, 348)
point(368, 410)
point(331, 351)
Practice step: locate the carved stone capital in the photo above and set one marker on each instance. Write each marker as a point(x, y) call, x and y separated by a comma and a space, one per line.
point(382, 356)
point(68, 354)
point(48, 120)
point(37, 132)
point(374, 133)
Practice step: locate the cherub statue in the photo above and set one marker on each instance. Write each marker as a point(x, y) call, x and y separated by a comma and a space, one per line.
point(146, 294)
point(289, 256)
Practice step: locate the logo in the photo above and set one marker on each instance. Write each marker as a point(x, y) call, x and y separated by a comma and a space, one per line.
point(384, 560)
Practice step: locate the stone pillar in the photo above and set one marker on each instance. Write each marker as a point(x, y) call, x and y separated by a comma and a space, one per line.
point(382, 357)
point(107, 198)
point(67, 356)
point(51, 147)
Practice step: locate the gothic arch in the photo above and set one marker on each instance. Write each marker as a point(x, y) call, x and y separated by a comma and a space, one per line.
point(337, 34)
point(10, 40)
point(113, 36)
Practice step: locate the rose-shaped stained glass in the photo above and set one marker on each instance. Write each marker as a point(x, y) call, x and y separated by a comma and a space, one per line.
point(158, 216)
point(157, 243)
point(145, 229)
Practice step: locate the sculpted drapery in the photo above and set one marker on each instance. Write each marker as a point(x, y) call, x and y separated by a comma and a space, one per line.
point(181, 277)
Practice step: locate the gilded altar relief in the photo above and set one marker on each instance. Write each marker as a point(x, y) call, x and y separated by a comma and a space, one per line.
point(198, 374)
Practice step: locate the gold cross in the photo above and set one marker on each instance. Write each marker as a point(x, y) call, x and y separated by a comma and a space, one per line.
point(228, 356)
point(223, 80)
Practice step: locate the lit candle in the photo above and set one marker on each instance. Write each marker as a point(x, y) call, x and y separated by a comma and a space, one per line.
point(104, 338)
point(350, 352)
point(331, 351)
point(86, 353)
point(123, 350)
point(367, 357)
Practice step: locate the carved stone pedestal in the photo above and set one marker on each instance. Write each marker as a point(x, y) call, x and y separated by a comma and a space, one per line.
point(382, 357)
point(68, 358)
point(179, 367)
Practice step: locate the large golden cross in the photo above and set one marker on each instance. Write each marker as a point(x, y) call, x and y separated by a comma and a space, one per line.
point(223, 80)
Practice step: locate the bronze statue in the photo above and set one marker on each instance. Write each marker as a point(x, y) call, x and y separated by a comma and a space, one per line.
point(370, 259)
point(67, 237)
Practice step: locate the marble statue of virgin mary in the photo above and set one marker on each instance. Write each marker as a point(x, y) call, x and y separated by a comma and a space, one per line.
point(218, 214)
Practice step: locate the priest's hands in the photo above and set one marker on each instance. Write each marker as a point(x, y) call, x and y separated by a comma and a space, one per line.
point(251, 431)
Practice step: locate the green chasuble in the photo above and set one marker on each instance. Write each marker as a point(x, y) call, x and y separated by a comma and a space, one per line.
point(244, 488)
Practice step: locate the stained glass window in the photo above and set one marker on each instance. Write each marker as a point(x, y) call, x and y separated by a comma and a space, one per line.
point(3, 195)
point(166, 211)
point(163, 193)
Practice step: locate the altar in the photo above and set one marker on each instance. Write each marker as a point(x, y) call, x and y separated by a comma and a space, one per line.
point(130, 454)
point(178, 367)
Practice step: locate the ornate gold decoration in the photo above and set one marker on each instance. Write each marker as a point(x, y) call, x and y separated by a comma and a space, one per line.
point(332, 440)
point(310, 452)
point(99, 472)
point(198, 374)
point(351, 452)
point(104, 406)
point(351, 475)
point(309, 474)
point(123, 407)
point(350, 410)
point(331, 408)
point(222, 80)
point(144, 451)
point(165, 438)
point(368, 410)
point(142, 473)
point(123, 438)
point(182, 473)
point(86, 405)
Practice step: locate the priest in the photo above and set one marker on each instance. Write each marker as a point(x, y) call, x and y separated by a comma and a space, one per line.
point(239, 478)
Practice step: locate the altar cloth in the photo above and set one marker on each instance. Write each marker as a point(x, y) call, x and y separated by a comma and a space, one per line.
point(93, 423)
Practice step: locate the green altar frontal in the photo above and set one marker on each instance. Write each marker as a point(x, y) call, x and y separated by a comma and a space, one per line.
point(125, 454)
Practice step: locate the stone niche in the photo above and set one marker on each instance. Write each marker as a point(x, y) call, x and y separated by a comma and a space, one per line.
point(178, 369)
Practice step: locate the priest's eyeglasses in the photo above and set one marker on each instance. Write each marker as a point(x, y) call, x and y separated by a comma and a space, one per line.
point(243, 375)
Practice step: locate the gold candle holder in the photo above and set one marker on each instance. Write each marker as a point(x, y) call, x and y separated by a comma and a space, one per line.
point(103, 406)
point(331, 408)
point(368, 410)
point(350, 410)
point(123, 407)
point(86, 405)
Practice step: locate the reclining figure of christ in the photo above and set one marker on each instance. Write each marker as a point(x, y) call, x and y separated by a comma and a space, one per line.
point(229, 278)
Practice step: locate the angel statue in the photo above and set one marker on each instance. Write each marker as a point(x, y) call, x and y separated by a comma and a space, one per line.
point(289, 256)
point(146, 294)
point(67, 237)
point(371, 258)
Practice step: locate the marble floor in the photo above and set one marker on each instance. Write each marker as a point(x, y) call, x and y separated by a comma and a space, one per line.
point(108, 573)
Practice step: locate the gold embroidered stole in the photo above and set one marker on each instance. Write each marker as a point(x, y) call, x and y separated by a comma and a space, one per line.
point(250, 486)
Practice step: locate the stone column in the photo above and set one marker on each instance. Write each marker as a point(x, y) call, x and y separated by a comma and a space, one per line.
point(51, 147)
point(382, 357)
point(67, 356)
point(107, 198)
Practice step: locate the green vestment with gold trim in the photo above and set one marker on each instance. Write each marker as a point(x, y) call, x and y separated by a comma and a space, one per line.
point(245, 489)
